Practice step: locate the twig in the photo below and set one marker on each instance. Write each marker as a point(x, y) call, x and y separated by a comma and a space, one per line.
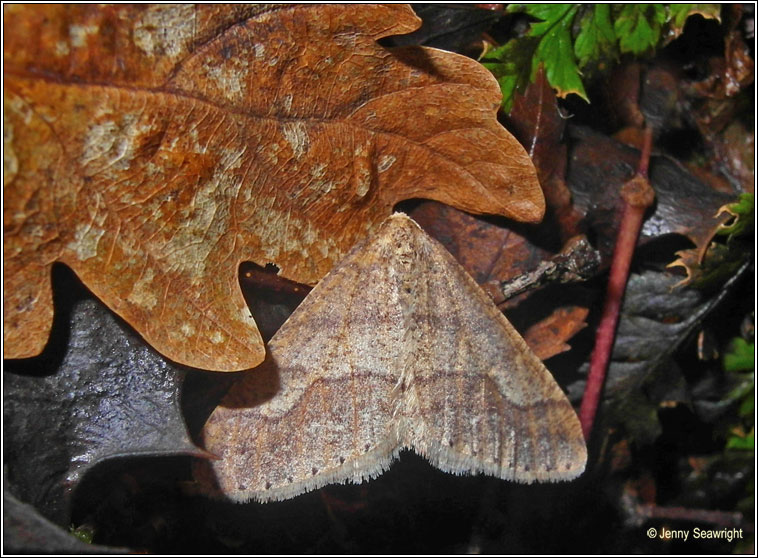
point(577, 261)
point(638, 195)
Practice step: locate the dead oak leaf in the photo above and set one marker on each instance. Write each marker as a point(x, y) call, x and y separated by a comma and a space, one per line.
point(548, 337)
point(487, 251)
point(154, 148)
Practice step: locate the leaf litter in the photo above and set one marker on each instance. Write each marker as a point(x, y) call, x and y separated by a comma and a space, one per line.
point(413, 490)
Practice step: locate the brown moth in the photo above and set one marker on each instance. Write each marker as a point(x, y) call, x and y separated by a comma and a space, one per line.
point(397, 347)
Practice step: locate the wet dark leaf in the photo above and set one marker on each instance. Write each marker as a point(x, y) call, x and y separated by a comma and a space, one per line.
point(453, 28)
point(27, 532)
point(104, 395)
point(598, 166)
point(723, 106)
point(655, 320)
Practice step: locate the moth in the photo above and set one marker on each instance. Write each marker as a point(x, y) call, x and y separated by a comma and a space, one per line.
point(397, 347)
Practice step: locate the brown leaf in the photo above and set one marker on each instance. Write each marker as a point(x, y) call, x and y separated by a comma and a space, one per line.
point(152, 148)
point(548, 337)
point(538, 124)
point(623, 94)
point(484, 249)
point(731, 73)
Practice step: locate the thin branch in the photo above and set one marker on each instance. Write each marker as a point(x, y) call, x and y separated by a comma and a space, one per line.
point(577, 261)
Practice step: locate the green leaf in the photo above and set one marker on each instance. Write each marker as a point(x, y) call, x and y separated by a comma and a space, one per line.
point(679, 13)
point(738, 442)
point(84, 533)
point(743, 213)
point(555, 48)
point(747, 407)
point(557, 54)
point(638, 27)
point(549, 14)
point(596, 39)
point(567, 38)
point(741, 356)
point(511, 65)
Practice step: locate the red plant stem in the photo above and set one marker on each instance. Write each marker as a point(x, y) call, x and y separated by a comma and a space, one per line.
point(647, 148)
point(631, 221)
point(638, 196)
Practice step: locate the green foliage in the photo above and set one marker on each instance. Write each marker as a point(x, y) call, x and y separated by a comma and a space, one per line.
point(730, 248)
point(596, 38)
point(555, 51)
point(678, 14)
point(548, 43)
point(743, 214)
point(511, 66)
point(638, 27)
point(84, 533)
point(570, 40)
point(739, 362)
point(740, 356)
point(739, 441)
